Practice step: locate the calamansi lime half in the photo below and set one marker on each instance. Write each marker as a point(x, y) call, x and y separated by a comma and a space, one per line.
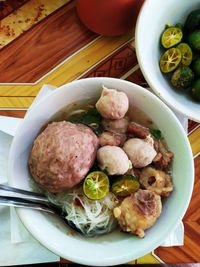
point(186, 54)
point(171, 36)
point(96, 185)
point(125, 185)
point(170, 60)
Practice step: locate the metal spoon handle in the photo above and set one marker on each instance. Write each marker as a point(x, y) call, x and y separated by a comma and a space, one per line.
point(23, 203)
point(20, 193)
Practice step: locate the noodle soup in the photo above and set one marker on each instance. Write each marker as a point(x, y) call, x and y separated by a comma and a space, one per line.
point(105, 163)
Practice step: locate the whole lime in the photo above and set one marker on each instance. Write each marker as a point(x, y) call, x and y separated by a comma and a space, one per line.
point(196, 90)
point(194, 40)
point(196, 67)
point(182, 78)
point(193, 21)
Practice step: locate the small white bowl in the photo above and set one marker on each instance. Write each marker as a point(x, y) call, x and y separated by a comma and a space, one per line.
point(153, 17)
point(116, 247)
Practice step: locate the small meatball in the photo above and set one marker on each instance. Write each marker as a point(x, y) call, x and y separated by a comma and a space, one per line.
point(138, 130)
point(111, 139)
point(62, 155)
point(157, 181)
point(116, 126)
point(138, 212)
point(164, 156)
point(112, 104)
point(140, 153)
point(113, 159)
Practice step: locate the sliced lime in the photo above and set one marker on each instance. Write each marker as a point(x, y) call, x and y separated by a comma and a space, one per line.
point(96, 185)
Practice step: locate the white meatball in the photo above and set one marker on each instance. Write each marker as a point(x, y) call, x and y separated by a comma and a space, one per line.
point(140, 152)
point(112, 104)
point(113, 159)
point(116, 126)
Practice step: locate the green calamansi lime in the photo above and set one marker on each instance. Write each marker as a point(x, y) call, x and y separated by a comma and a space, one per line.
point(194, 40)
point(170, 60)
point(125, 185)
point(192, 22)
point(194, 55)
point(96, 185)
point(182, 78)
point(171, 37)
point(196, 67)
point(196, 90)
point(186, 54)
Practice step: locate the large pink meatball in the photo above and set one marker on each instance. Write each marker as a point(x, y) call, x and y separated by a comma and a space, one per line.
point(112, 104)
point(62, 155)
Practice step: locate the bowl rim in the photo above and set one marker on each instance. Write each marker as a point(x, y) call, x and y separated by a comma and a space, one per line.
point(141, 62)
point(120, 259)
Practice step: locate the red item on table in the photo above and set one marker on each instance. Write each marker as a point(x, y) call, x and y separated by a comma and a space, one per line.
point(109, 17)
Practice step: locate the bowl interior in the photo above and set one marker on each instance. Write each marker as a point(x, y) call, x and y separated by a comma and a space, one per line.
point(148, 31)
point(52, 232)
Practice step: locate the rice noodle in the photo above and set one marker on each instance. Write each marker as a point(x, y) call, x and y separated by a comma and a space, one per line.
point(90, 217)
point(75, 112)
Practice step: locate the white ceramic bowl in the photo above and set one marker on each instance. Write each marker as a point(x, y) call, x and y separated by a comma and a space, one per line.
point(153, 17)
point(114, 248)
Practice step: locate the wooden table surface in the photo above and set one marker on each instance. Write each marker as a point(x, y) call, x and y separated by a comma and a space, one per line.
point(44, 42)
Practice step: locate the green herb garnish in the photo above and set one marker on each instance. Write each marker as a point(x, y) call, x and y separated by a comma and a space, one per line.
point(156, 133)
point(91, 118)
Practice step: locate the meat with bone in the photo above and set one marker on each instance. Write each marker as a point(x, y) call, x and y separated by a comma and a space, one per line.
point(138, 212)
point(111, 139)
point(138, 130)
point(163, 157)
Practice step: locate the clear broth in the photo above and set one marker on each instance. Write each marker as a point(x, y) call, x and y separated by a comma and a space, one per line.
point(75, 109)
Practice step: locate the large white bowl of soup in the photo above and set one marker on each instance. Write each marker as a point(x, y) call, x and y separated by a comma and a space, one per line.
point(144, 166)
point(154, 18)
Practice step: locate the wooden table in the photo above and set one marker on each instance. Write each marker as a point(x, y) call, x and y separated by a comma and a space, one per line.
point(44, 42)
